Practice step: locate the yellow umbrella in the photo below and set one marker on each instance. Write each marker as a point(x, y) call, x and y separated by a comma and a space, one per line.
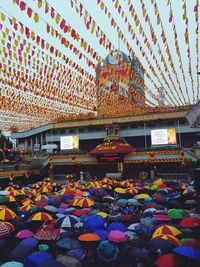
point(159, 181)
point(102, 214)
point(131, 190)
point(142, 196)
point(167, 230)
point(120, 190)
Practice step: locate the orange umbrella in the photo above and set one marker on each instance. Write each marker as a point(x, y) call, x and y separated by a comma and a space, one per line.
point(172, 239)
point(40, 216)
point(6, 214)
point(89, 237)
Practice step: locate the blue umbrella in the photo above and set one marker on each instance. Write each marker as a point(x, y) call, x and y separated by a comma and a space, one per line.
point(66, 197)
point(116, 226)
point(78, 253)
point(29, 242)
point(37, 258)
point(190, 252)
point(107, 251)
point(94, 222)
point(68, 243)
point(101, 233)
point(12, 264)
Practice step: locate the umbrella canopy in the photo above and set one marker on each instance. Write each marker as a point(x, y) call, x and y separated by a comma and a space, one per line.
point(159, 243)
point(37, 258)
point(166, 229)
point(68, 261)
point(12, 264)
point(190, 222)
point(192, 243)
point(85, 202)
point(89, 237)
point(168, 260)
point(40, 216)
point(6, 228)
point(188, 252)
point(68, 243)
point(29, 242)
point(116, 226)
point(94, 222)
point(78, 253)
point(68, 221)
point(45, 235)
point(177, 214)
point(117, 236)
point(6, 214)
point(107, 251)
point(24, 234)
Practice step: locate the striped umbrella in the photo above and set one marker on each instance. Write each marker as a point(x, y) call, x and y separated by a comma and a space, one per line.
point(6, 214)
point(11, 199)
point(6, 228)
point(40, 197)
point(69, 221)
point(167, 230)
point(40, 216)
point(85, 202)
point(131, 190)
point(26, 207)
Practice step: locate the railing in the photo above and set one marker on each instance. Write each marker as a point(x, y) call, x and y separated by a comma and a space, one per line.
point(174, 176)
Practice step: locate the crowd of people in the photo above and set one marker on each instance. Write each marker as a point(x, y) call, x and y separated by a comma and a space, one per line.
point(126, 223)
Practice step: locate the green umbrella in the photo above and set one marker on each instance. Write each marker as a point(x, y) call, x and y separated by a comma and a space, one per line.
point(178, 214)
point(84, 182)
point(2, 199)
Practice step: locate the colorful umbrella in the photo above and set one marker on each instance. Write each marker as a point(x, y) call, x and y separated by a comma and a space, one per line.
point(166, 229)
point(85, 203)
point(45, 235)
point(6, 214)
point(94, 222)
point(117, 236)
point(89, 237)
point(107, 251)
point(6, 228)
point(40, 216)
point(190, 222)
point(177, 214)
point(168, 260)
point(68, 221)
point(24, 234)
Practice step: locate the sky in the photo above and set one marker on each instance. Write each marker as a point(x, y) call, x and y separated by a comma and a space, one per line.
point(176, 93)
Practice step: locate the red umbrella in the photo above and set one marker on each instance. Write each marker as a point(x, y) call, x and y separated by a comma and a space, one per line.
point(161, 218)
point(168, 260)
point(191, 222)
point(80, 212)
point(45, 235)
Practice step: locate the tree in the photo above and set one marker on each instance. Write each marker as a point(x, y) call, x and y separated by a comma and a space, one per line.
point(5, 141)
